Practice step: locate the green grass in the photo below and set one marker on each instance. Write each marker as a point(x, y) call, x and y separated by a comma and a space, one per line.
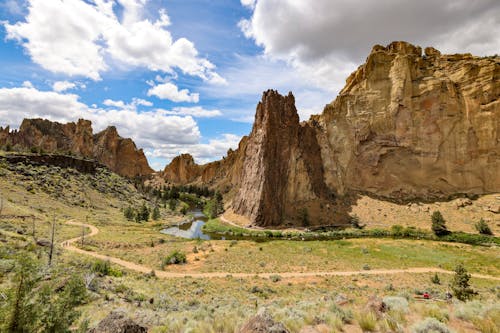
point(215, 226)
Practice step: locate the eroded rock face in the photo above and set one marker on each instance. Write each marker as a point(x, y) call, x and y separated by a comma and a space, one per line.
point(411, 126)
point(107, 147)
point(120, 154)
point(182, 170)
point(282, 167)
point(406, 126)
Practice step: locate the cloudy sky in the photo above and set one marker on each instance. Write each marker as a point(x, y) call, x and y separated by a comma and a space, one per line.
point(185, 75)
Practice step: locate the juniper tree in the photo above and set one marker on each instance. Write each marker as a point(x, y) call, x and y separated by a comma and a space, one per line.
point(438, 224)
point(483, 228)
point(460, 284)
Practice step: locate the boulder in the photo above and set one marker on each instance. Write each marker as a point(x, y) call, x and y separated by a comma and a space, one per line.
point(263, 323)
point(118, 322)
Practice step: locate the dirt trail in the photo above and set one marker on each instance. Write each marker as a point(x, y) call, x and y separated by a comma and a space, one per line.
point(68, 245)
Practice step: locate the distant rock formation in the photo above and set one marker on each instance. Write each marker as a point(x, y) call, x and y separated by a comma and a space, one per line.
point(406, 126)
point(107, 147)
point(182, 170)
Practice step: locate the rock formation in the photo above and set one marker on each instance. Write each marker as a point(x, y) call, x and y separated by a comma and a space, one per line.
point(118, 322)
point(107, 147)
point(406, 126)
point(182, 170)
point(263, 323)
point(119, 154)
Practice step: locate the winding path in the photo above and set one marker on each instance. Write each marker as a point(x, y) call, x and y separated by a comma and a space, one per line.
point(68, 245)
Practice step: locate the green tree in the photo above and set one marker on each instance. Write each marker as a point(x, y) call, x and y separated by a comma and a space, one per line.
point(435, 279)
point(129, 213)
point(483, 228)
point(144, 213)
point(59, 310)
point(460, 284)
point(22, 314)
point(172, 204)
point(438, 224)
point(156, 213)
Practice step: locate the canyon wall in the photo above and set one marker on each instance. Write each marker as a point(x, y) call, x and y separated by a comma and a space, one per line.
point(408, 125)
point(107, 147)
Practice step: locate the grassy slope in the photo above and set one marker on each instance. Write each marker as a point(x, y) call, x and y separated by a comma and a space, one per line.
point(190, 303)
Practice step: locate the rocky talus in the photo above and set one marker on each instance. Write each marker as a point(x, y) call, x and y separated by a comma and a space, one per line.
point(408, 125)
point(107, 147)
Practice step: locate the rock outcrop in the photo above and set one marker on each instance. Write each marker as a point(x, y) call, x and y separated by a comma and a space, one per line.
point(282, 170)
point(120, 154)
point(263, 323)
point(107, 147)
point(118, 322)
point(407, 126)
point(182, 170)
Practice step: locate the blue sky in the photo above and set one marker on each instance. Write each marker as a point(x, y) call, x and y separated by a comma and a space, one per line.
point(185, 76)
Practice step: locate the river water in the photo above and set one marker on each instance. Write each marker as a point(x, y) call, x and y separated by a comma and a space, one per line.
point(191, 229)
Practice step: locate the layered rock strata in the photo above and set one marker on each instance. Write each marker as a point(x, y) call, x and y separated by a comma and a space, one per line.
point(107, 147)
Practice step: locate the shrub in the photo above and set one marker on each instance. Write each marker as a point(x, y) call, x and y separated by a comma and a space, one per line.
point(275, 278)
point(460, 284)
point(345, 315)
point(434, 311)
point(435, 279)
point(483, 228)
point(175, 258)
point(367, 321)
point(397, 230)
point(430, 325)
point(129, 213)
point(396, 303)
point(438, 224)
point(156, 213)
point(366, 267)
point(103, 267)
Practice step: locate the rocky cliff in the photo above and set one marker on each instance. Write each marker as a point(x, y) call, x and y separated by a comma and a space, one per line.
point(107, 147)
point(407, 125)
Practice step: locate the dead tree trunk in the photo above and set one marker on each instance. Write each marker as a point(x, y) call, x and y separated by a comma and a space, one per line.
point(83, 229)
point(51, 252)
point(34, 228)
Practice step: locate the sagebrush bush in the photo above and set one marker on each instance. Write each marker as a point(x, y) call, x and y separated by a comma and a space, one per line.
point(429, 325)
point(396, 303)
point(344, 314)
point(436, 312)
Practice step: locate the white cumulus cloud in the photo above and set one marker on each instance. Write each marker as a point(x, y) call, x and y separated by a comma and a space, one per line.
point(317, 38)
point(85, 38)
point(196, 111)
point(61, 86)
point(170, 91)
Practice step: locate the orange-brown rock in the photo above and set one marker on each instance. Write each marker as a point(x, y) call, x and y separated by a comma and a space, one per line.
point(282, 169)
point(120, 154)
point(107, 147)
point(411, 126)
point(406, 126)
point(182, 170)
